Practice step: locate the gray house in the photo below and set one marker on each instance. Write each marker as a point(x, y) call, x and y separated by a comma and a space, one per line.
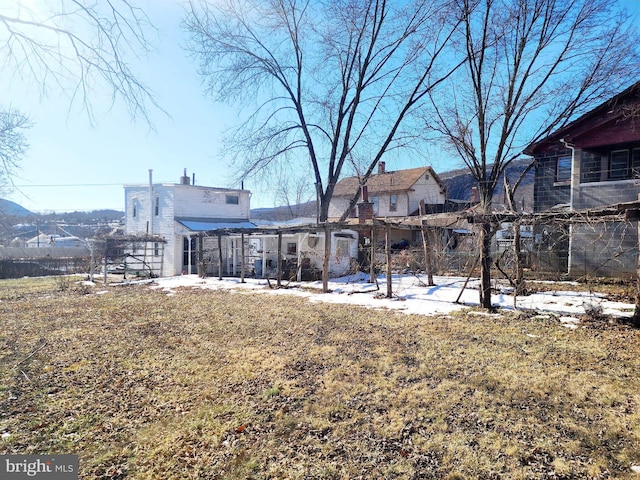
point(592, 162)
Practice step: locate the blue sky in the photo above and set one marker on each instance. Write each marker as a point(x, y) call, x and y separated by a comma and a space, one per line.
point(72, 165)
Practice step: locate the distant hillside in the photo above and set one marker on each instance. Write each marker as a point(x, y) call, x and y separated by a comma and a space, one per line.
point(459, 183)
point(12, 209)
point(307, 209)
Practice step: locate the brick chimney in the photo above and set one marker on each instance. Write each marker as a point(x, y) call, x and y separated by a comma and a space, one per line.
point(365, 207)
point(381, 167)
point(474, 197)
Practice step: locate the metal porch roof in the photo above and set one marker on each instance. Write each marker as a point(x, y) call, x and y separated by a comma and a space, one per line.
point(205, 225)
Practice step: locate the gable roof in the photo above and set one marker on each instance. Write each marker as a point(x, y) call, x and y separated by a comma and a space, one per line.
point(388, 182)
point(615, 121)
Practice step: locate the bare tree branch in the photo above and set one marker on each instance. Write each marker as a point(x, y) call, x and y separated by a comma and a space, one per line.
point(79, 47)
point(343, 78)
point(532, 66)
point(13, 144)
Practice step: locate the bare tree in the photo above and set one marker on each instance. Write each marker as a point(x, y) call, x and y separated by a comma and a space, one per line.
point(76, 47)
point(533, 65)
point(293, 193)
point(323, 82)
point(13, 144)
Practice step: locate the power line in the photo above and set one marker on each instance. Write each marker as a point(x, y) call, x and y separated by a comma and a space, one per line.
point(66, 185)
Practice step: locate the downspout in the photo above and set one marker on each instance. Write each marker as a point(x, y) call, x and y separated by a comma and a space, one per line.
point(573, 156)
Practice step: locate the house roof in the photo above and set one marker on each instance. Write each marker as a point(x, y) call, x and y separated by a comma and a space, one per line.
point(209, 224)
point(387, 182)
point(615, 121)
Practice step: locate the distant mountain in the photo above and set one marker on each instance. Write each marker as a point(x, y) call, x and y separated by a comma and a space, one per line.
point(307, 209)
point(12, 209)
point(459, 183)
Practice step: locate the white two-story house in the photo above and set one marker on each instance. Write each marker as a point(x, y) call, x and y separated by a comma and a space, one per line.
point(176, 212)
point(180, 215)
point(393, 193)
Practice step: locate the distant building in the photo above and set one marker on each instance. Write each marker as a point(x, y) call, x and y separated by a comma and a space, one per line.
point(43, 240)
point(393, 193)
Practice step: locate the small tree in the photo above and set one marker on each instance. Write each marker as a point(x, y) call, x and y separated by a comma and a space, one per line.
point(532, 66)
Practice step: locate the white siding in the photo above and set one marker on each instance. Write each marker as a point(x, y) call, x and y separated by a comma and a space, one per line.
point(156, 213)
point(206, 202)
point(427, 189)
point(337, 206)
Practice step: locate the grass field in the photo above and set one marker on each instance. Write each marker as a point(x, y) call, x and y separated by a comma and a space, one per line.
point(209, 384)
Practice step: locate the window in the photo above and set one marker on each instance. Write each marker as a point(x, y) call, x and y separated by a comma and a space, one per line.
point(292, 248)
point(619, 164)
point(635, 163)
point(393, 203)
point(232, 199)
point(189, 253)
point(342, 248)
point(156, 208)
point(563, 169)
point(135, 210)
point(374, 200)
point(156, 249)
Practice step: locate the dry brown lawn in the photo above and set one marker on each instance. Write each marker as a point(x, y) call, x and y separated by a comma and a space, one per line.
point(204, 384)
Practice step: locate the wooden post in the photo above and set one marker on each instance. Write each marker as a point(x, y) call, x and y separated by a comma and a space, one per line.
point(219, 256)
point(201, 270)
point(279, 262)
point(372, 255)
point(426, 246)
point(325, 260)
point(636, 313)
point(242, 259)
point(388, 254)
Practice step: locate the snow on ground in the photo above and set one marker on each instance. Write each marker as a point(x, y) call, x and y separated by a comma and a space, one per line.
point(412, 295)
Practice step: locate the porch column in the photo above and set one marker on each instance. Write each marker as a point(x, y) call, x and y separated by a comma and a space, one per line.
point(188, 254)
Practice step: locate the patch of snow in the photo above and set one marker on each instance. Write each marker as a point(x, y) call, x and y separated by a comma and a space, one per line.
point(569, 322)
point(411, 295)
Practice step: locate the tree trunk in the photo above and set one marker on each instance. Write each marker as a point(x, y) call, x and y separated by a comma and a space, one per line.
point(485, 265)
point(387, 237)
point(636, 314)
point(327, 256)
point(517, 251)
point(426, 246)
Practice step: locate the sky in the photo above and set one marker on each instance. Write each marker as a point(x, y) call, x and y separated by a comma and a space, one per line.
point(72, 164)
